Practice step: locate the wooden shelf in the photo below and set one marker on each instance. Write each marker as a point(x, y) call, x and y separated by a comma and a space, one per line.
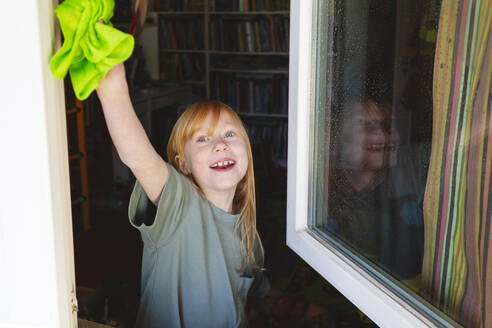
point(277, 12)
point(265, 115)
point(190, 51)
point(78, 200)
point(248, 53)
point(72, 111)
point(252, 71)
point(185, 82)
point(171, 13)
point(79, 170)
point(75, 156)
point(205, 15)
point(195, 82)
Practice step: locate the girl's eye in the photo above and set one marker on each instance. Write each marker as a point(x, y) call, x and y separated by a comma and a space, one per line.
point(202, 139)
point(230, 134)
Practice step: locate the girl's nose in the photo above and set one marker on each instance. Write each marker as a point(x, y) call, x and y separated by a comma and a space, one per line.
point(221, 146)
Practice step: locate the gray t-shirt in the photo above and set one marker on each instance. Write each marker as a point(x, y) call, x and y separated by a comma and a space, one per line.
point(190, 257)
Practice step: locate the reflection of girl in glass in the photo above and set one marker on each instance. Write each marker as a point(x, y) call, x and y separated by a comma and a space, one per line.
point(376, 189)
point(368, 143)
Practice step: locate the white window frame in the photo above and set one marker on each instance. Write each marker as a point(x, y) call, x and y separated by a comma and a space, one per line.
point(37, 279)
point(377, 301)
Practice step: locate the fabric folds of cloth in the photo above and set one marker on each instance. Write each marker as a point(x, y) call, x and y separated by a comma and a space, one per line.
point(90, 49)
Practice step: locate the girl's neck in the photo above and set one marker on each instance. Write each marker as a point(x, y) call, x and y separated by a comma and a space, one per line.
point(221, 199)
point(360, 180)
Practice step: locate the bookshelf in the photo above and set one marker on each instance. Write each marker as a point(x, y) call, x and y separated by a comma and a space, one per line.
point(182, 48)
point(235, 51)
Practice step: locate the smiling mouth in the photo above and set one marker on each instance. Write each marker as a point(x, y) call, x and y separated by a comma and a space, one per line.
point(382, 147)
point(223, 165)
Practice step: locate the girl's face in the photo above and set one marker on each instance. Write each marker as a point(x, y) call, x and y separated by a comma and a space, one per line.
point(369, 141)
point(217, 161)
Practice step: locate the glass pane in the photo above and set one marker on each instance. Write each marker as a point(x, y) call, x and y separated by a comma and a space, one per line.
point(372, 138)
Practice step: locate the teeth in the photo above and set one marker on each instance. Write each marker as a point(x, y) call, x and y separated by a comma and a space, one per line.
point(381, 147)
point(223, 163)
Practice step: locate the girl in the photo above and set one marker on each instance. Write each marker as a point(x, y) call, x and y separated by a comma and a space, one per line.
point(378, 187)
point(202, 254)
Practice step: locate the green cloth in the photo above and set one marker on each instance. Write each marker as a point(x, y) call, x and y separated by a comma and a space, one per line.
point(90, 49)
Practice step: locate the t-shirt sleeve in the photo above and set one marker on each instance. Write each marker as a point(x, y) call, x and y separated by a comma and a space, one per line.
point(157, 226)
point(410, 175)
point(260, 286)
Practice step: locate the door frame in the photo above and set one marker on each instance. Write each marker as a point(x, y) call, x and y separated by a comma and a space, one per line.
point(37, 278)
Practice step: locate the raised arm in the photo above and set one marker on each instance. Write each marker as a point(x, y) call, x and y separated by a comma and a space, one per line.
point(128, 135)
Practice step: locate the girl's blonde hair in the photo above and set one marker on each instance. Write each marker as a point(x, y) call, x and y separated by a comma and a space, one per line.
point(244, 201)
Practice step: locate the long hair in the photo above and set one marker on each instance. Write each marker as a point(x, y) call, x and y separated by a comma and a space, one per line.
point(244, 201)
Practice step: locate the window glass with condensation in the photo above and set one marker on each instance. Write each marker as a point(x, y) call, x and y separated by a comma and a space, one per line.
point(373, 194)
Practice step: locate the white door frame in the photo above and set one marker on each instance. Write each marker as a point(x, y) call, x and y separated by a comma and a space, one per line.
point(37, 280)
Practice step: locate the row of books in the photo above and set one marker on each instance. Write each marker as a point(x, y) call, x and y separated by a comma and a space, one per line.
point(178, 5)
point(276, 135)
point(219, 5)
point(181, 33)
point(244, 62)
point(262, 93)
point(269, 34)
point(182, 67)
point(249, 5)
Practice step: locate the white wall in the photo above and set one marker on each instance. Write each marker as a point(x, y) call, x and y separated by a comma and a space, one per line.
point(36, 248)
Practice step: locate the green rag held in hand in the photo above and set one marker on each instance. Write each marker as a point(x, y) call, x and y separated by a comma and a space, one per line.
point(90, 49)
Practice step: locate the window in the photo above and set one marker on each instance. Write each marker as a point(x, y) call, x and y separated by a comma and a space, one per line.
point(369, 206)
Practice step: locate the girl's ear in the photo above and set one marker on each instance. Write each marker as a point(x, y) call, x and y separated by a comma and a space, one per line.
point(182, 165)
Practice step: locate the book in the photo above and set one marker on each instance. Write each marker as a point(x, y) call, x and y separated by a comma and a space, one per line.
point(257, 36)
point(248, 31)
point(272, 34)
point(251, 94)
point(199, 67)
point(172, 35)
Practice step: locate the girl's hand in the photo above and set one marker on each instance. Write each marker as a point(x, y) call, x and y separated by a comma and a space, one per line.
point(114, 83)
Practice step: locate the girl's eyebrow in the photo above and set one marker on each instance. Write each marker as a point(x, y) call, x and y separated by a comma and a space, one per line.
point(202, 130)
point(206, 131)
point(230, 126)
